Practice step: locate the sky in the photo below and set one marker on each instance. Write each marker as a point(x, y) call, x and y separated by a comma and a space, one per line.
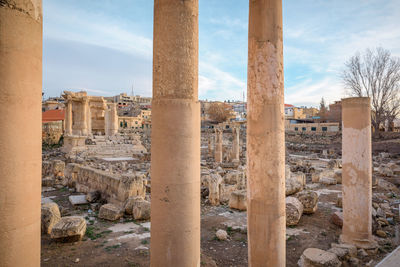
point(105, 46)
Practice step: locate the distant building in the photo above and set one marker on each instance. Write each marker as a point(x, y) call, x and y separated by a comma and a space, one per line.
point(124, 100)
point(335, 112)
point(52, 126)
point(312, 127)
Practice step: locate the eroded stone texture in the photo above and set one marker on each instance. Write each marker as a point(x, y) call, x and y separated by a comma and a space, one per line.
point(309, 199)
point(238, 200)
point(69, 229)
point(50, 216)
point(218, 153)
point(265, 136)
point(294, 210)
point(110, 212)
point(314, 257)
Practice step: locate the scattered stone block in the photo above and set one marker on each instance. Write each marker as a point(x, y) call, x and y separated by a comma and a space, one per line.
point(338, 176)
point(141, 210)
point(337, 218)
point(50, 215)
point(93, 196)
point(293, 184)
point(110, 212)
point(130, 203)
point(48, 181)
point(314, 257)
point(222, 235)
point(339, 201)
point(238, 200)
point(309, 199)
point(381, 233)
point(69, 229)
point(294, 210)
point(77, 199)
point(351, 249)
point(214, 184)
point(327, 181)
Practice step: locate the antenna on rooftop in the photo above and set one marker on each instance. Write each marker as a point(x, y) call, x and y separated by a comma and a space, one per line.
point(132, 90)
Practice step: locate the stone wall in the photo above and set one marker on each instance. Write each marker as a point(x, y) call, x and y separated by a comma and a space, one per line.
point(114, 188)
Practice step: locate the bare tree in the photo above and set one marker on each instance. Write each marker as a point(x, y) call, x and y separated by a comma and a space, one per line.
point(375, 74)
point(219, 112)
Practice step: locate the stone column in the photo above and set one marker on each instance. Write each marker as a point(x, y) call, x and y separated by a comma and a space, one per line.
point(235, 144)
point(357, 172)
point(210, 145)
point(20, 135)
point(265, 136)
point(83, 123)
point(68, 117)
point(175, 155)
point(114, 119)
point(88, 119)
point(218, 145)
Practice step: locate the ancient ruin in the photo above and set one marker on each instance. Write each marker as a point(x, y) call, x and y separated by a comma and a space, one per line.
point(136, 181)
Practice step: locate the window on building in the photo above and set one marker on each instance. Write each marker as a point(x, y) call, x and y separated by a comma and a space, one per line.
point(121, 124)
point(227, 126)
point(313, 129)
point(135, 122)
point(304, 129)
point(125, 124)
point(324, 129)
point(296, 129)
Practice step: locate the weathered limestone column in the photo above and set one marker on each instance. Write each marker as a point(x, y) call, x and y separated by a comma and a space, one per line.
point(20, 135)
point(88, 119)
point(210, 146)
point(68, 116)
point(265, 136)
point(111, 120)
point(235, 144)
point(357, 172)
point(84, 108)
point(175, 155)
point(218, 145)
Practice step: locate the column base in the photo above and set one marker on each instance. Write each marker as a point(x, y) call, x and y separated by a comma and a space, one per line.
point(74, 143)
point(366, 244)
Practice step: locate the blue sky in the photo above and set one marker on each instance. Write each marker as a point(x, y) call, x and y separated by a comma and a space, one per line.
point(105, 46)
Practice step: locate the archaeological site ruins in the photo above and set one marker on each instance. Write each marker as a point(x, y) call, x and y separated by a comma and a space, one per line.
point(135, 181)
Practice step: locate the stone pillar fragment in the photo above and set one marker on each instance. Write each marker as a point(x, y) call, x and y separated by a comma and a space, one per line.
point(20, 135)
point(84, 113)
point(265, 136)
point(210, 146)
point(357, 172)
point(175, 155)
point(68, 117)
point(111, 120)
point(88, 119)
point(235, 144)
point(218, 155)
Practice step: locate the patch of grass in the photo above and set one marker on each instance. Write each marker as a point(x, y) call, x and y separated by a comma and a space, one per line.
point(128, 232)
point(292, 226)
point(229, 230)
point(63, 189)
point(146, 229)
point(144, 241)
point(91, 233)
point(109, 248)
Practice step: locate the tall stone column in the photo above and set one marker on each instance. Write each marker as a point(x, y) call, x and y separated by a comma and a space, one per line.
point(357, 172)
point(89, 119)
point(218, 155)
point(235, 144)
point(20, 135)
point(175, 155)
point(265, 136)
point(210, 146)
point(83, 123)
point(68, 117)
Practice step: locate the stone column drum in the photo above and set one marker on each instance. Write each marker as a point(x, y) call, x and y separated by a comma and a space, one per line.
point(357, 172)
point(265, 136)
point(218, 155)
point(20, 135)
point(175, 155)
